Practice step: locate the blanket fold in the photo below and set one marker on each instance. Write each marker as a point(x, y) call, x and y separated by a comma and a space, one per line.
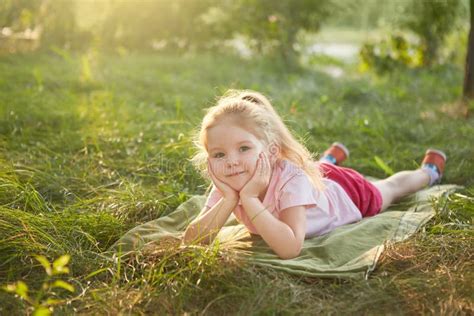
point(350, 251)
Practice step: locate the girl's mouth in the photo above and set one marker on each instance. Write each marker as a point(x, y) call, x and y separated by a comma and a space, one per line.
point(235, 174)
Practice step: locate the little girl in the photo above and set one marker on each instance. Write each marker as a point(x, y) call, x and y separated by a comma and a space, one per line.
point(271, 183)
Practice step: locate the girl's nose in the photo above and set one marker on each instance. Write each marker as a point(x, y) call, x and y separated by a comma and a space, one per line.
point(232, 162)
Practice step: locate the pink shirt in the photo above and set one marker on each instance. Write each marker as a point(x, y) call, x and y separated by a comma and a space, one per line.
point(290, 186)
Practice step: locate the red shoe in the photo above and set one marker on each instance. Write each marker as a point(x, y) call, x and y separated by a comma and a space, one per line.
point(335, 154)
point(437, 158)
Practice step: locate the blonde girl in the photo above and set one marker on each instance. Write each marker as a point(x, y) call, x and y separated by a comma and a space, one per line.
point(272, 184)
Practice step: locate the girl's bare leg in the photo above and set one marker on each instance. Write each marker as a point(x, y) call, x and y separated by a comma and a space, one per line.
point(400, 185)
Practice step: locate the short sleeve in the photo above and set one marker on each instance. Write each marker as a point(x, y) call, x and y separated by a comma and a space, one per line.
point(214, 196)
point(296, 192)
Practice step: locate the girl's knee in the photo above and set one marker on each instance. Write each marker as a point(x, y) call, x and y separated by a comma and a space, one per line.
point(386, 191)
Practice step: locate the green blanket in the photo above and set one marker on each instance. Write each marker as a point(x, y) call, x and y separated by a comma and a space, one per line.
point(348, 251)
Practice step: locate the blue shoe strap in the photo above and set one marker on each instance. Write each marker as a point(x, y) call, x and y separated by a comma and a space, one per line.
point(330, 158)
point(431, 166)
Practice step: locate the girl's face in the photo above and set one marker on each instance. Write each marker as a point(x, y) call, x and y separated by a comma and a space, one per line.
point(233, 153)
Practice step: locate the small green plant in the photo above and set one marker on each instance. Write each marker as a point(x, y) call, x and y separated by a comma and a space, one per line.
point(390, 54)
point(43, 300)
point(382, 165)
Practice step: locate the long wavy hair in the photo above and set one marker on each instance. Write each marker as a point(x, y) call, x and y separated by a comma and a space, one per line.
point(253, 112)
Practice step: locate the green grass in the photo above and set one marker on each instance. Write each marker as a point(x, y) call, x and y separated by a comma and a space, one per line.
point(92, 145)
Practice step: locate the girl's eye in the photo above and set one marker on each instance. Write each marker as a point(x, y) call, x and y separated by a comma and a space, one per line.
point(241, 149)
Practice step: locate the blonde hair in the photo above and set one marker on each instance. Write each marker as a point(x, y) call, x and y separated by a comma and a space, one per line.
point(254, 112)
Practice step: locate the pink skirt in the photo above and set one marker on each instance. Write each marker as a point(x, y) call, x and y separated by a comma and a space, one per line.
point(364, 194)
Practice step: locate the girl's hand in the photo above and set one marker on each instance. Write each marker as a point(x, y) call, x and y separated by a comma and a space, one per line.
point(260, 180)
point(228, 193)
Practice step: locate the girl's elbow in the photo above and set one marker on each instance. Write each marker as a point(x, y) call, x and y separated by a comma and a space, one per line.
point(193, 236)
point(188, 236)
point(290, 254)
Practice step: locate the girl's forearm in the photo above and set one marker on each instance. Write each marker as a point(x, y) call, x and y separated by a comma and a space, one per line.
point(204, 228)
point(277, 234)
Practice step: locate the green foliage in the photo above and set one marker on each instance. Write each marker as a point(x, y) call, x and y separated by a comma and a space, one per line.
point(54, 19)
point(273, 26)
point(19, 14)
point(43, 300)
point(268, 25)
point(431, 21)
point(58, 22)
point(173, 269)
point(390, 54)
point(388, 171)
point(89, 149)
point(365, 14)
point(455, 214)
point(175, 24)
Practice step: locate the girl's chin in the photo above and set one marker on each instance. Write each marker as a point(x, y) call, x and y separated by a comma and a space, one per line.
point(237, 185)
point(239, 189)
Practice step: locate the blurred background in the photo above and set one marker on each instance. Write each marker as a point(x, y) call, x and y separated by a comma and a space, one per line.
point(384, 34)
point(99, 103)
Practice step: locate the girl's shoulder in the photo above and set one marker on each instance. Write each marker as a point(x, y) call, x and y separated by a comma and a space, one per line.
point(287, 171)
point(289, 168)
point(293, 187)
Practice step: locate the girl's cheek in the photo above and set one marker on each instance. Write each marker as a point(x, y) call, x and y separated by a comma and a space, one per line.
point(217, 167)
point(252, 163)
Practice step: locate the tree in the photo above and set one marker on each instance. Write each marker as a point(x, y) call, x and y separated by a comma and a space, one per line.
point(19, 14)
point(55, 18)
point(431, 21)
point(468, 89)
point(270, 26)
point(141, 24)
point(58, 21)
point(274, 25)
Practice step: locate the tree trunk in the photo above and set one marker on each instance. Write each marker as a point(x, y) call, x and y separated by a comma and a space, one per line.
point(287, 50)
point(468, 91)
point(431, 45)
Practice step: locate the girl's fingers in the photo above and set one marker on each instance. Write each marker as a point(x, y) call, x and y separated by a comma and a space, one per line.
point(265, 165)
point(211, 173)
point(209, 170)
point(256, 172)
point(260, 164)
point(267, 169)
